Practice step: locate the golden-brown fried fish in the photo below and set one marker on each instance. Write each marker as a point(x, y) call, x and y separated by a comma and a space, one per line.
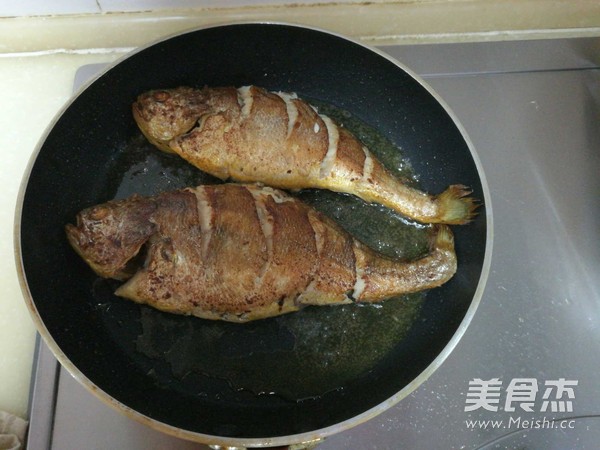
point(240, 252)
point(252, 135)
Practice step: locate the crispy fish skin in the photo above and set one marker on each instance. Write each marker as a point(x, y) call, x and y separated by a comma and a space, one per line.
point(252, 135)
point(241, 252)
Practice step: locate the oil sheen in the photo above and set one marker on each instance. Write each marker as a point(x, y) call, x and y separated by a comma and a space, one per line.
point(298, 356)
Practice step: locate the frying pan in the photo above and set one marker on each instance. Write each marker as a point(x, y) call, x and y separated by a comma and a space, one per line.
point(231, 384)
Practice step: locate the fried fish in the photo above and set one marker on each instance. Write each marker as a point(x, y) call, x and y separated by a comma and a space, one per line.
point(242, 252)
point(275, 138)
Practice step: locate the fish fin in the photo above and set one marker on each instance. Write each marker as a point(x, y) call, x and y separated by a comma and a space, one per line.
point(455, 207)
point(441, 237)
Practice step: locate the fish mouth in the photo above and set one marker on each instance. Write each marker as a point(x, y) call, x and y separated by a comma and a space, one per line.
point(144, 123)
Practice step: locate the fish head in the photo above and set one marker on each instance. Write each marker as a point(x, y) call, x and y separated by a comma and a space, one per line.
point(165, 114)
point(109, 236)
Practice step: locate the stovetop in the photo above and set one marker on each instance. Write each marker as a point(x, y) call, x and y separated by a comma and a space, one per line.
point(525, 373)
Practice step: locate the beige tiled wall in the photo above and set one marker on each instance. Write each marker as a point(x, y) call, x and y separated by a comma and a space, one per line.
point(59, 7)
point(375, 22)
point(44, 8)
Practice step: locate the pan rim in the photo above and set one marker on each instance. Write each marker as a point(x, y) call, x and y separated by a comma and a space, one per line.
point(309, 436)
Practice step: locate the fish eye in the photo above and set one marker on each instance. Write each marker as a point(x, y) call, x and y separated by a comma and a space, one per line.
point(161, 96)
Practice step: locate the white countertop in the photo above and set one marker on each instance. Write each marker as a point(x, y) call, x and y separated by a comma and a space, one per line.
point(39, 57)
point(33, 90)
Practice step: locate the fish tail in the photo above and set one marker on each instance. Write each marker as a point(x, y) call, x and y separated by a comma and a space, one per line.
point(455, 207)
point(380, 277)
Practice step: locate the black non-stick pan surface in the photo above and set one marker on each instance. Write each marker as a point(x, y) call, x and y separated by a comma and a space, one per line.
point(265, 379)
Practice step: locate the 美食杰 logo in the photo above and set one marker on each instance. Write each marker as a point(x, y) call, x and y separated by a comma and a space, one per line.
point(528, 395)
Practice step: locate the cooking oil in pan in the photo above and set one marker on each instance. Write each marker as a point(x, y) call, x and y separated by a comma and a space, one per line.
point(296, 356)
